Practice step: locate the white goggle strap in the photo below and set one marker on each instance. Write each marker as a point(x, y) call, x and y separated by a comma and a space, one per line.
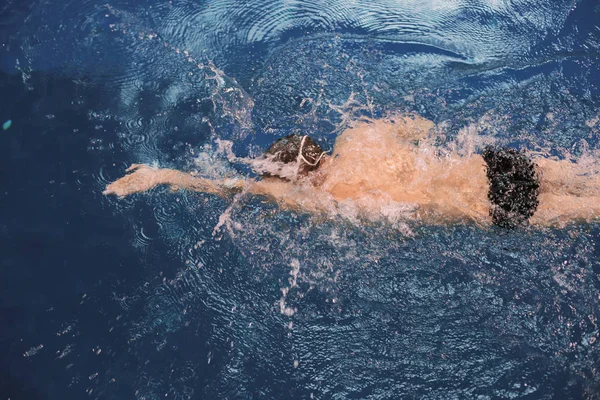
point(301, 156)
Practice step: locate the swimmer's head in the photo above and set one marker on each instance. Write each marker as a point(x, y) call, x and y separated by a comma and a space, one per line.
point(300, 152)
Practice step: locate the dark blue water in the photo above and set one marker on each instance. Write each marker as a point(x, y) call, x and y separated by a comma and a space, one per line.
point(143, 298)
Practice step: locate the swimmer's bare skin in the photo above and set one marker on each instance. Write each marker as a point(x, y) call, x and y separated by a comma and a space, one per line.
point(143, 177)
point(376, 165)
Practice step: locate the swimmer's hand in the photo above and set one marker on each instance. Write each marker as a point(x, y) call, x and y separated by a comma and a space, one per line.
point(140, 179)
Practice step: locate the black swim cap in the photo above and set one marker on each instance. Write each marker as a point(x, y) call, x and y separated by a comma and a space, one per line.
point(296, 148)
point(514, 186)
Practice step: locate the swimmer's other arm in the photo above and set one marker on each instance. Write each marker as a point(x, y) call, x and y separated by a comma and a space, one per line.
point(141, 178)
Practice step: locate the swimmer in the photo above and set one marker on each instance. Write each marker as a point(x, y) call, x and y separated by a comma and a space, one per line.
point(378, 164)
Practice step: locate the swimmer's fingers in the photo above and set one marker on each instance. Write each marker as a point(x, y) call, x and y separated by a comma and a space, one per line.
point(134, 167)
point(142, 178)
point(120, 188)
point(113, 189)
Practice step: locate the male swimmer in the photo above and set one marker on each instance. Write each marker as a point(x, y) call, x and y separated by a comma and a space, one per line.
point(377, 164)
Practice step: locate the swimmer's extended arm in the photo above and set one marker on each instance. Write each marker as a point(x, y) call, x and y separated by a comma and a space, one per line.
point(143, 177)
point(292, 196)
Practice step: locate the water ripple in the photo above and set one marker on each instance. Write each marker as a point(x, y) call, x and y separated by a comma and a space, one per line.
point(450, 312)
point(501, 28)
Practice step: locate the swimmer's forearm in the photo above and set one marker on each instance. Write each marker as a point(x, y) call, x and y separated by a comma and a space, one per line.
point(183, 180)
point(143, 178)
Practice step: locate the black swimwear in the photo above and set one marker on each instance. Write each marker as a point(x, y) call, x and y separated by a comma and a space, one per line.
point(514, 186)
point(296, 148)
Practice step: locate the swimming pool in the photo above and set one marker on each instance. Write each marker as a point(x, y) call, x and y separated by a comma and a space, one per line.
point(183, 295)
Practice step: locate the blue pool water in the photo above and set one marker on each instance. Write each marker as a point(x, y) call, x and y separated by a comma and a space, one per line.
point(143, 298)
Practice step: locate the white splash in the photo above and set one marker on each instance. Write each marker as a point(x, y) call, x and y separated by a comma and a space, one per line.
point(293, 281)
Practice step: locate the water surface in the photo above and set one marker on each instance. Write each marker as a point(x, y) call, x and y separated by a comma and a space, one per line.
point(142, 298)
